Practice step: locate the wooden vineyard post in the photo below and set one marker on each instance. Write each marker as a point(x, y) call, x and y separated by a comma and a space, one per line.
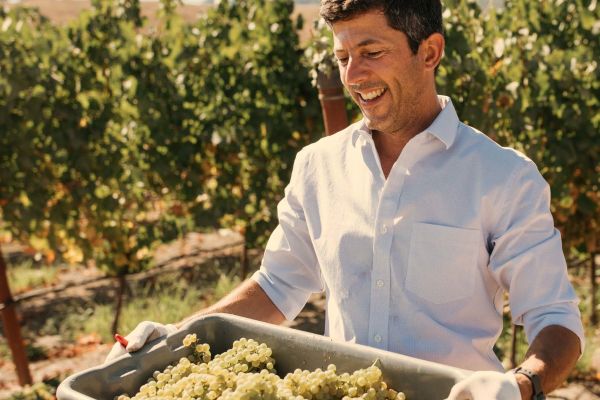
point(244, 261)
point(12, 328)
point(513, 347)
point(593, 300)
point(119, 305)
point(333, 102)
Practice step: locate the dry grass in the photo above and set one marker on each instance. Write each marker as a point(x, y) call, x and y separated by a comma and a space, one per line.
point(63, 11)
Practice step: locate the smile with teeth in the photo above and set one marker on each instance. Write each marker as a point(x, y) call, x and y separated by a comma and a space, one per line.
point(368, 96)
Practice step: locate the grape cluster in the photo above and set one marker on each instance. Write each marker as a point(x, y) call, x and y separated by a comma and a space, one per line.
point(246, 372)
point(364, 383)
point(246, 355)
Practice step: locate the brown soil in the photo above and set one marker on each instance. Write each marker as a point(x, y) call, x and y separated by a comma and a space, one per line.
point(63, 358)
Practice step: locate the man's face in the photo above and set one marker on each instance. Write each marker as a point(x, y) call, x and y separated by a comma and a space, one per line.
point(379, 71)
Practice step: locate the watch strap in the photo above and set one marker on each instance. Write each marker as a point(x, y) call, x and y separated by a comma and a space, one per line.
point(536, 383)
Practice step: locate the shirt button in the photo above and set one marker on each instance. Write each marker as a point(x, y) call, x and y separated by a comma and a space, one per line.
point(380, 283)
point(384, 229)
point(377, 338)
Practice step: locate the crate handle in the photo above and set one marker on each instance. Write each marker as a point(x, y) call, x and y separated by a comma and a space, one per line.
point(127, 373)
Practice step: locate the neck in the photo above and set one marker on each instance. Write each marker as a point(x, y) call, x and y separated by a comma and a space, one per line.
point(389, 145)
point(425, 112)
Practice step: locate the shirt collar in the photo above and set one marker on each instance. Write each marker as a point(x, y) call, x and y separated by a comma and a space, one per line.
point(360, 131)
point(444, 127)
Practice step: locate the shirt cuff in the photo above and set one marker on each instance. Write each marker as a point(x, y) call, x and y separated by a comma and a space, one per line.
point(289, 300)
point(566, 315)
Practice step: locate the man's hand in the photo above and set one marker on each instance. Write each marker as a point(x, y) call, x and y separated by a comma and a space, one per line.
point(486, 385)
point(247, 300)
point(143, 333)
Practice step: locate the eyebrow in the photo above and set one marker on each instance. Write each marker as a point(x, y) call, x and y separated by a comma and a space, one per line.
point(364, 43)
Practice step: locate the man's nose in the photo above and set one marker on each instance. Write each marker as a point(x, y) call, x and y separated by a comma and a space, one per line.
point(354, 72)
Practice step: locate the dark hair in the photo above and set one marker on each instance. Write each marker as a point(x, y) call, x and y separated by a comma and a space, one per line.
point(418, 19)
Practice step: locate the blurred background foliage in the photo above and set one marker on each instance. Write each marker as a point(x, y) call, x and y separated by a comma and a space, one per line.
point(527, 75)
point(117, 137)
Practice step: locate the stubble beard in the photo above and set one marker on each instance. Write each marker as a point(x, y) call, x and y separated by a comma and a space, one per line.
point(401, 114)
point(394, 125)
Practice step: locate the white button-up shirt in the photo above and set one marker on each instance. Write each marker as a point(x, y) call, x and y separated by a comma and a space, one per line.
point(418, 263)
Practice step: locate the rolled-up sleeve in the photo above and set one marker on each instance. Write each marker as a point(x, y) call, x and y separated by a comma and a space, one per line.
point(289, 272)
point(527, 258)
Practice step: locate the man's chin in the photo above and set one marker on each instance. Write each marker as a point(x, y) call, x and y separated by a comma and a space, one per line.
point(374, 124)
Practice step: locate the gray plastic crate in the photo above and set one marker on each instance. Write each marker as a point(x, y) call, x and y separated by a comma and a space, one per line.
point(418, 379)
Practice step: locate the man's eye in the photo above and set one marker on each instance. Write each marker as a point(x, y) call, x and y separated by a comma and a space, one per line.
point(342, 60)
point(374, 54)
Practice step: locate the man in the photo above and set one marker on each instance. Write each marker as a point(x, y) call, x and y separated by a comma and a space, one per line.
point(414, 224)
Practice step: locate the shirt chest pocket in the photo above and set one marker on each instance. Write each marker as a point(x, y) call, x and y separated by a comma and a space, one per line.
point(442, 262)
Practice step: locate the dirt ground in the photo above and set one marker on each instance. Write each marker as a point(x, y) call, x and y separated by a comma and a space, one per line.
point(64, 358)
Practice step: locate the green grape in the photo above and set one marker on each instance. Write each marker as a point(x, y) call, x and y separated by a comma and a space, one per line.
point(247, 372)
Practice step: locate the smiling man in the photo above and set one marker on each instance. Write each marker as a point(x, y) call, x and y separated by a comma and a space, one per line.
point(394, 87)
point(414, 224)
point(456, 219)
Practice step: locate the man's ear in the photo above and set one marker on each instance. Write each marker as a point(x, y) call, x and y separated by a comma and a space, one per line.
point(431, 50)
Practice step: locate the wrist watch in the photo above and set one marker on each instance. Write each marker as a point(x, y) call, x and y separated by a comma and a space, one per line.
point(536, 384)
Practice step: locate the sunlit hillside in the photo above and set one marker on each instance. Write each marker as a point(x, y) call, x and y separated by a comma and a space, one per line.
point(63, 11)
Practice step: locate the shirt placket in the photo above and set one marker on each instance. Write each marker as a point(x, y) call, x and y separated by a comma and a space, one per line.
point(382, 242)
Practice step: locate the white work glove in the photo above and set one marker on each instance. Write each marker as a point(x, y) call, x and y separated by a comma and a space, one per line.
point(486, 385)
point(143, 333)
